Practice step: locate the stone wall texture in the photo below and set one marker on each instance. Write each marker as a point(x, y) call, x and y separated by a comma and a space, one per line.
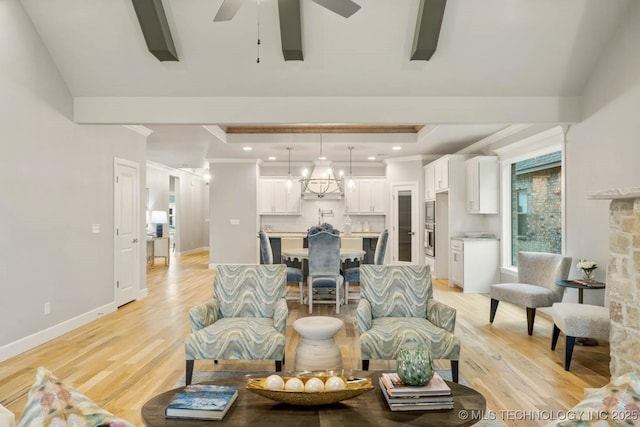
point(623, 285)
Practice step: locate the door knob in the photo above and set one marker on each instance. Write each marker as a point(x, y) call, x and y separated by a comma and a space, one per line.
point(411, 233)
point(135, 240)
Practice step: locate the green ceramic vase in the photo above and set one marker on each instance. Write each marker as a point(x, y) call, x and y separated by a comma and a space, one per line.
point(414, 365)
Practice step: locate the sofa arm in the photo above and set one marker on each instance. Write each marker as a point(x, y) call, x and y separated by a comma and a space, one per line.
point(363, 313)
point(204, 315)
point(280, 316)
point(441, 315)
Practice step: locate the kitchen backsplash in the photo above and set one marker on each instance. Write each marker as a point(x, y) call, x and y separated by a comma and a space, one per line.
point(309, 217)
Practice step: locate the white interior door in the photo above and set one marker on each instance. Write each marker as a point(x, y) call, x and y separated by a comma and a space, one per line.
point(127, 235)
point(405, 223)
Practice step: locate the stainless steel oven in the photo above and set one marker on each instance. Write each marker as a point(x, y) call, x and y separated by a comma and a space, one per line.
point(430, 228)
point(430, 212)
point(430, 239)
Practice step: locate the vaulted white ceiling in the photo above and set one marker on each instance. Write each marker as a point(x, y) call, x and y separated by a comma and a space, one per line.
point(513, 53)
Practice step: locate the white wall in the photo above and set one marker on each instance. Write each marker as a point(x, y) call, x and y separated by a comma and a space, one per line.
point(233, 196)
point(56, 180)
point(603, 150)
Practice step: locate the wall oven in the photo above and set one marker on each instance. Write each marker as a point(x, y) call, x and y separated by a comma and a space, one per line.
point(430, 240)
point(430, 228)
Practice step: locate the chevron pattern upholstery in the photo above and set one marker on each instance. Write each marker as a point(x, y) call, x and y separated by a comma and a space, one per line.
point(397, 307)
point(293, 274)
point(246, 319)
point(353, 274)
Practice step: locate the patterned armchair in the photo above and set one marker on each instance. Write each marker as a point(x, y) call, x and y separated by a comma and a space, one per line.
point(246, 319)
point(397, 307)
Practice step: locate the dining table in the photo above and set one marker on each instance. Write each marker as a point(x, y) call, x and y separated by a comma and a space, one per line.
point(302, 254)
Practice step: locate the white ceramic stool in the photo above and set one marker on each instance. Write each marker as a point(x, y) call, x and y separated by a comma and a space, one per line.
point(318, 350)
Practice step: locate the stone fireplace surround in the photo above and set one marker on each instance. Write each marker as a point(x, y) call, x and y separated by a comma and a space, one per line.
point(623, 278)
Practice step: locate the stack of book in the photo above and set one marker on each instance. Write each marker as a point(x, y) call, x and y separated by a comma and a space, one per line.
point(436, 395)
point(202, 402)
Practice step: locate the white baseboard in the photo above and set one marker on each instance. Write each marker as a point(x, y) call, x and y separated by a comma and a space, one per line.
point(192, 251)
point(27, 343)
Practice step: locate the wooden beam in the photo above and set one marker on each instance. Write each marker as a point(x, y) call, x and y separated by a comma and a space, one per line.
point(155, 29)
point(322, 129)
point(290, 29)
point(425, 39)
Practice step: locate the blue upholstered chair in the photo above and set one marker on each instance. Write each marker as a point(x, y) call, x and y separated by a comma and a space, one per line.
point(536, 286)
point(396, 308)
point(246, 319)
point(353, 274)
point(294, 275)
point(324, 268)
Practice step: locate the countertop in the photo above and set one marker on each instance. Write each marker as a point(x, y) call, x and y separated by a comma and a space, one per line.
point(475, 238)
point(281, 234)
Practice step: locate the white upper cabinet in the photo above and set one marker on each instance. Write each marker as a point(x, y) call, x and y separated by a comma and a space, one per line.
point(429, 182)
point(441, 174)
point(367, 196)
point(275, 198)
point(482, 186)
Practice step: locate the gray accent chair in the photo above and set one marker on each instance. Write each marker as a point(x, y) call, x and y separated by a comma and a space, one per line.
point(324, 268)
point(536, 287)
point(578, 320)
point(294, 275)
point(353, 274)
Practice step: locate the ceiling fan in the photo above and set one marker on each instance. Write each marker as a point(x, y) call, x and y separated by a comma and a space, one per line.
point(344, 8)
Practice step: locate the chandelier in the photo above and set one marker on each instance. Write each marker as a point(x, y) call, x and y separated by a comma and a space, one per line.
point(322, 181)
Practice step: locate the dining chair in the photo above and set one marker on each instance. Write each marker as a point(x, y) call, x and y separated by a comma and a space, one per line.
point(353, 274)
point(294, 275)
point(324, 268)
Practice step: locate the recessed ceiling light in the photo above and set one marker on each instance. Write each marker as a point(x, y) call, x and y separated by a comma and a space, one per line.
point(372, 157)
point(272, 157)
point(396, 148)
point(247, 148)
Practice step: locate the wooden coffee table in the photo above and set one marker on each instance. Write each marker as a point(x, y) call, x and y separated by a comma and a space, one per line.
point(367, 409)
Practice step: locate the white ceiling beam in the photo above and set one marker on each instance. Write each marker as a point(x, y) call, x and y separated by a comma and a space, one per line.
point(362, 110)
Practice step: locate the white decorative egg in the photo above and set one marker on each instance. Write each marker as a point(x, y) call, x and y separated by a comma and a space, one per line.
point(274, 382)
point(314, 385)
point(294, 384)
point(334, 383)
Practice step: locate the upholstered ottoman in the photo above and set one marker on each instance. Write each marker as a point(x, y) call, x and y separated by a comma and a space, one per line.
point(318, 350)
point(578, 320)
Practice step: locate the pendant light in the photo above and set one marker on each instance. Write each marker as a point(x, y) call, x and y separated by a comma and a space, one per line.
point(350, 185)
point(289, 183)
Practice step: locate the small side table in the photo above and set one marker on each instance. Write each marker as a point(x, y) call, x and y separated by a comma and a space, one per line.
point(318, 350)
point(581, 285)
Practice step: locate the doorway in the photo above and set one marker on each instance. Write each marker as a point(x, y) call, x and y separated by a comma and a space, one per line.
point(126, 230)
point(174, 194)
point(405, 223)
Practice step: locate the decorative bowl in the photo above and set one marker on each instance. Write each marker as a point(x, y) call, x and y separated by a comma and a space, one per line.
point(354, 387)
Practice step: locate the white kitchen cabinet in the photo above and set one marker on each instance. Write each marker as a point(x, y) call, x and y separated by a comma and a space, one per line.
point(441, 174)
point(275, 198)
point(367, 197)
point(474, 264)
point(482, 184)
point(429, 182)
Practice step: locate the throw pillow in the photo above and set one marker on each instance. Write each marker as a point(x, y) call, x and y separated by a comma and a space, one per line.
point(52, 403)
point(616, 404)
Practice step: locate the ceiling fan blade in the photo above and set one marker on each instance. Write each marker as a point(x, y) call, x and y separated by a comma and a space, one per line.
point(227, 10)
point(344, 8)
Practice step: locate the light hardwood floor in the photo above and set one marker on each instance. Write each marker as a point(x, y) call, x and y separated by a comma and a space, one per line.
point(126, 357)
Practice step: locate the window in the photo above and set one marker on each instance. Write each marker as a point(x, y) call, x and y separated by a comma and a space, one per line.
point(536, 204)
